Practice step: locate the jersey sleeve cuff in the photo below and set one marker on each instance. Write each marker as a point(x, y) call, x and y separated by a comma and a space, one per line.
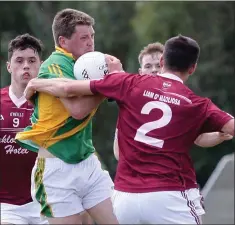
point(92, 87)
point(224, 121)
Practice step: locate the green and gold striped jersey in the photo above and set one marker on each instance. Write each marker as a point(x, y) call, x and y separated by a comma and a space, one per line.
point(52, 126)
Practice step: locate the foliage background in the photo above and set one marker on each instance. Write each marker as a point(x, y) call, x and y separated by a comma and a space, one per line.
point(123, 29)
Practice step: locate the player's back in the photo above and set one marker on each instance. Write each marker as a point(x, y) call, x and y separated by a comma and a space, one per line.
point(157, 125)
point(16, 163)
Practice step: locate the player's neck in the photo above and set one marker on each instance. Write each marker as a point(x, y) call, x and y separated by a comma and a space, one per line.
point(17, 90)
point(182, 76)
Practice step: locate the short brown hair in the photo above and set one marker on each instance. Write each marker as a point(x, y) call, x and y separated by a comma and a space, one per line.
point(150, 49)
point(65, 22)
point(23, 42)
point(180, 53)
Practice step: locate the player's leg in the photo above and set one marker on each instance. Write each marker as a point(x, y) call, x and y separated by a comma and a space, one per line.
point(103, 213)
point(86, 218)
point(31, 212)
point(54, 187)
point(9, 219)
point(9, 223)
point(194, 195)
point(168, 207)
point(11, 214)
point(22, 214)
point(126, 207)
point(73, 219)
point(97, 193)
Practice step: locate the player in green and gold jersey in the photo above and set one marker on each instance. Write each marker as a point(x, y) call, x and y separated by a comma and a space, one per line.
point(67, 177)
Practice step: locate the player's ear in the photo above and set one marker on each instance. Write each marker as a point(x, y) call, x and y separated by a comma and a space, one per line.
point(8, 66)
point(62, 42)
point(161, 61)
point(192, 69)
point(140, 71)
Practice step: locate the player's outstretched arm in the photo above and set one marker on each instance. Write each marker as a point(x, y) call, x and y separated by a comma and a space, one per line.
point(82, 87)
point(69, 91)
point(58, 87)
point(77, 88)
point(62, 87)
point(54, 86)
point(212, 139)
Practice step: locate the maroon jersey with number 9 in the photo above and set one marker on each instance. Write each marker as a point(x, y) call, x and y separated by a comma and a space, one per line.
point(16, 163)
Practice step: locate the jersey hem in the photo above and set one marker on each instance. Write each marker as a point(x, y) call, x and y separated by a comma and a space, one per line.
point(155, 189)
point(13, 202)
point(68, 160)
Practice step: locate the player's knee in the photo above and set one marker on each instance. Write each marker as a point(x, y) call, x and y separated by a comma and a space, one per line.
point(73, 219)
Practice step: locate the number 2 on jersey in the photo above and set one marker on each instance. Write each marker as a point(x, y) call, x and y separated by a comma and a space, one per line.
point(156, 124)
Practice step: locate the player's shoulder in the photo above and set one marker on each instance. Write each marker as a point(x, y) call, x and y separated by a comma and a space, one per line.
point(197, 99)
point(56, 65)
point(181, 89)
point(58, 58)
point(137, 78)
point(63, 58)
point(4, 91)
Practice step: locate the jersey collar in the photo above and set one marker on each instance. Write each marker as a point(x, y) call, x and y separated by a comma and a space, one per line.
point(61, 50)
point(171, 76)
point(17, 101)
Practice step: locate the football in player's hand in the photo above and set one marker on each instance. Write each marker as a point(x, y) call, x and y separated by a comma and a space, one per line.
point(90, 66)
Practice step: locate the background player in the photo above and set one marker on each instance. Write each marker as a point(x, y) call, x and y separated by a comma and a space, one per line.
point(16, 163)
point(149, 58)
point(159, 119)
point(62, 135)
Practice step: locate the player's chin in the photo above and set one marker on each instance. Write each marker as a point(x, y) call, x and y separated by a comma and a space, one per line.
point(25, 81)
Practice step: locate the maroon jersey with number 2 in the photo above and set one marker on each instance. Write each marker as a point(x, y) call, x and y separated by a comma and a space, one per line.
point(159, 120)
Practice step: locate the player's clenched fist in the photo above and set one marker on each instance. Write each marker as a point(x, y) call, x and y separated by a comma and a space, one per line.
point(114, 64)
point(29, 90)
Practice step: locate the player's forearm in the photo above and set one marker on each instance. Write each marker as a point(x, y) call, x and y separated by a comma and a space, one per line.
point(53, 87)
point(210, 139)
point(78, 87)
point(80, 107)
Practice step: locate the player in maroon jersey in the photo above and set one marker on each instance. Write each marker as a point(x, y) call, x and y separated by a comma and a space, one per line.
point(159, 119)
point(149, 60)
point(16, 163)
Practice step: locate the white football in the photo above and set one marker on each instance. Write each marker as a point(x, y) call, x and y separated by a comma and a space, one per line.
point(90, 66)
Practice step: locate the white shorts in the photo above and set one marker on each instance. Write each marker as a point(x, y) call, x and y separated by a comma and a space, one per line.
point(22, 214)
point(163, 207)
point(65, 189)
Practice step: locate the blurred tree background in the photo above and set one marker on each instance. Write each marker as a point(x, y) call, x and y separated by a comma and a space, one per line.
point(123, 29)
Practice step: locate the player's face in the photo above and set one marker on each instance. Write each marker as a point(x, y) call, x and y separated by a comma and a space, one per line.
point(82, 41)
point(23, 66)
point(150, 64)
